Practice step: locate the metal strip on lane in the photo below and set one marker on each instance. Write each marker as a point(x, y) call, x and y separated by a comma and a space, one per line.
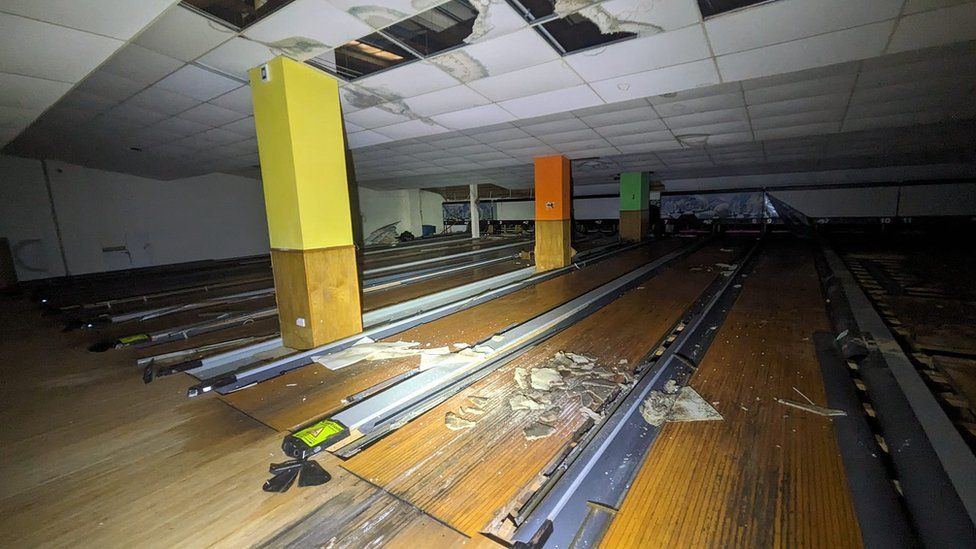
point(598, 473)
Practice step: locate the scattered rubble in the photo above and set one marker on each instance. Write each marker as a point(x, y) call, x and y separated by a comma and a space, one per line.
point(812, 408)
point(478, 401)
point(455, 422)
point(538, 430)
point(522, 378)
point(544, 379)
point(676, 404)
point(550, 415)
point(472, 411)
point(521, 402)
point(590, 413)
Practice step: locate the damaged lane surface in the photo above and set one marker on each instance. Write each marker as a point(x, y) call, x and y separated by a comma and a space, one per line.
point(468, 477)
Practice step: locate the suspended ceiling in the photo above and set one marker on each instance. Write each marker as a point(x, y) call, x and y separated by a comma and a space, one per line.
point(789, 84)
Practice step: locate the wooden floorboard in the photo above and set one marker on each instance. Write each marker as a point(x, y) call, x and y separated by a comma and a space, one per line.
point(768, 475)
point(464, 478)
point(297, 397)
point(92, 457)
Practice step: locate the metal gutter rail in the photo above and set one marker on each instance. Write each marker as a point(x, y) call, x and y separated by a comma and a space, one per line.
point(228, 373)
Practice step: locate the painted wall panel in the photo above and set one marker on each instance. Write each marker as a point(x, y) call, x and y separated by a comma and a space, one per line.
point(949, 199)
point(26, 219)
point(863, 202)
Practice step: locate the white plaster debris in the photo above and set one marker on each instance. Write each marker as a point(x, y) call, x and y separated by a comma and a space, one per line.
point(538, 430)
point(545, 379)
point(521, 402)
point(590, 413)
point(684, 405)
point(522, 378)
point(478, 401)
point(550, 415)
point(455, 422)
point(472, 411)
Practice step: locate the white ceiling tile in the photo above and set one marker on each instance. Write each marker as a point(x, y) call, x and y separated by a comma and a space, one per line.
point(527, 82)
point(183, 34)
point(952, 86)
point(518, 50)
point(652, 14)
point(141, 65)
point(381, 13)
point(649, 147)
point(374, 117)
point(222, 136)
point(645, 112)
point(800, 118)
point(198, 83)
point(317, 22)
point(566, 99)
point(237, 56)
point(555, 126)
point(648, 137)
point(704, 118)
point(793, 106)
point(806, 75)
point(893, 120)
point(136, 115)
point(714, 128)
point(588, 153)
point(43, 50)
point(109, 86)
point(408, 81)
point(412, 128)
point(786, 20)
point(701, 104)
point(934, 28)
point(24, 92)
point(631, 128)
point(658, 81)
point(915, 6)
point(503, 134)
point(450, 142)
point(112, 18)
point(641, 54)
point(807, 88)
point(244, 126)
point(912, 104)
point(816, 51)
point(83, 101)
point(570, 136)
point(473, 117)
point(735, 137)
point(237, 100)
point(446, 100)
point(502, 20)
point(211, 115)
point(350, 127)
point(181, 126)
point(157, 99)
point(795, 131)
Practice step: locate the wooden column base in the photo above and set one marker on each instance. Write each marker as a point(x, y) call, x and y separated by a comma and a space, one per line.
point(553, 239)
point(318, 295)
point(634, 225)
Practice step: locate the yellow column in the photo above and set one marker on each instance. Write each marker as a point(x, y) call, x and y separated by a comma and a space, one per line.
point(553, 213)
point(306, 194)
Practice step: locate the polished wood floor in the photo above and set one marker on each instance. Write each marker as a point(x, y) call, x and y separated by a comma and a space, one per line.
point(92, 457)
point(768, 475)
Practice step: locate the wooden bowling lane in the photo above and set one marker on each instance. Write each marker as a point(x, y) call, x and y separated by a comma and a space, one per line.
point(464, 478)
point(301, 395)
point(768, 475)
point(399, 294)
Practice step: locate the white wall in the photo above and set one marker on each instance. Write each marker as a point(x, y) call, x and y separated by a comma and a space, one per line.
point(26, 220)
point(156, 222)
point(410, 208)
point(859, 202)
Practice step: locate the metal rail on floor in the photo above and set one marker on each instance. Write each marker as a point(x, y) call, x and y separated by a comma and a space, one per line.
point(596, 475)
point(235, 375)
point(375, 416)
point(935, 467)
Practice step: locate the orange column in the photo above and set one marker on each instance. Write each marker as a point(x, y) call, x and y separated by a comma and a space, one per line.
point(553, 213)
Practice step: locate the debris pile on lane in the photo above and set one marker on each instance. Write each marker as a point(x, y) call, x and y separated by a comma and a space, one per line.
point(675, 403)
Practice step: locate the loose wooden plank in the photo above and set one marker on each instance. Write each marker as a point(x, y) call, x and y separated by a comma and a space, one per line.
point(766, 476)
